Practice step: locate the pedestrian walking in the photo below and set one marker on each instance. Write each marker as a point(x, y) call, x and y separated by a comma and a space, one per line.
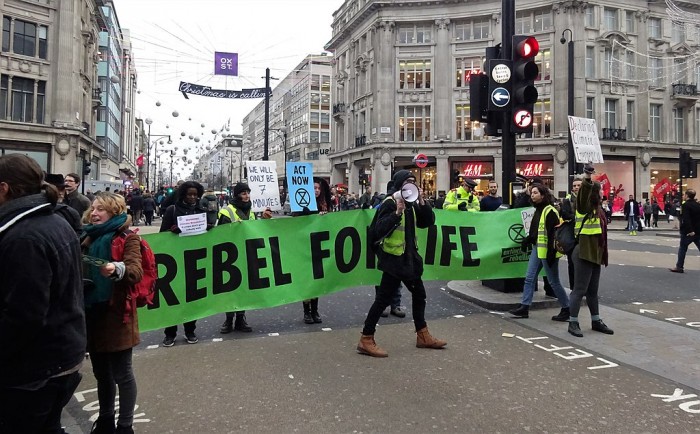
point(238, 210)
point(399, 261)
point(689, 228)
point(648, 211)
point(136, 206)
point(112, 334)
point(589, 255)
point(149, 208)
point(655, 209)
point(187, 200)
point(544, 255)
point(42, 318)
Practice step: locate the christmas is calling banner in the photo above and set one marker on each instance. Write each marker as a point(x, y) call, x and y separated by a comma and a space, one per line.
point(265, 263)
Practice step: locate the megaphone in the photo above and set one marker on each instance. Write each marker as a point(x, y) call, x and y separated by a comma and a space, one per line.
point(409, 192)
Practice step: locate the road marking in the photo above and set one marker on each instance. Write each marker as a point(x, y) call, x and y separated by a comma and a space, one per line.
point(458, 316)
point(696, 299)
point(678, 395)
point(152, 347)
point(326, 329)
point(569, 355)
point(273, 334)
point(217, 340)
point(637, 303)
point(508, 335)
point(667, 301)
point(653, 312)
point(650, 266)
point(442, 289)
point(497, 313)
point(291, 376)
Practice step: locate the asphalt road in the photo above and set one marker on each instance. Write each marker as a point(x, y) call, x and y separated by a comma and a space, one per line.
point(496, 375)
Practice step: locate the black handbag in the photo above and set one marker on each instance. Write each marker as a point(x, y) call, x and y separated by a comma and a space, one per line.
point(564, 237)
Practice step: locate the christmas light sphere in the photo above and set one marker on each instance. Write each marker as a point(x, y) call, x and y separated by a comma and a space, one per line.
point(157, 103)
point(196, 139)
point(183, 134)
point(175, 113)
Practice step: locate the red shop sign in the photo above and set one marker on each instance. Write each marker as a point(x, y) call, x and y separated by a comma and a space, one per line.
point(473, 170)
point(532, 169)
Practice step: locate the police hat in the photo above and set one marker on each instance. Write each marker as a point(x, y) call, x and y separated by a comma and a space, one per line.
point(470, 182)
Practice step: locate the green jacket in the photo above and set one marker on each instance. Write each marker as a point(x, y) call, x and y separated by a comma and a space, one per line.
point(591, 247)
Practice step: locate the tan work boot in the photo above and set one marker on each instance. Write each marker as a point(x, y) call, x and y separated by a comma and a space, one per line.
point(369, 347)
point(425, 340)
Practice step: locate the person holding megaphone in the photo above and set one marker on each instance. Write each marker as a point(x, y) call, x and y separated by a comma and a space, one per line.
point(463, 198)
point(394, 235)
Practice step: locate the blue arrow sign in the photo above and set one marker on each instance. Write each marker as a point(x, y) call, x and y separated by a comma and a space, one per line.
point(500, 97)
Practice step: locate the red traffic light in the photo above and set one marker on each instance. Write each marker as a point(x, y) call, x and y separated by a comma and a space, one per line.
point(528, 47)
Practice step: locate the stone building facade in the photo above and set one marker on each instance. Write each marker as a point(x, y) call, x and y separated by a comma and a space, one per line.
point(401, 87)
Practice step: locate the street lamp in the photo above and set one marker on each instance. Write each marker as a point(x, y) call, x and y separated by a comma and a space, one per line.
point(283, 130)
point(570, 101)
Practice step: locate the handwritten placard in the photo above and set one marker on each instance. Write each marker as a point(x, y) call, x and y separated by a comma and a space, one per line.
point(584, 135)
point(526, 216)
point(262, 180)
point(300, 179)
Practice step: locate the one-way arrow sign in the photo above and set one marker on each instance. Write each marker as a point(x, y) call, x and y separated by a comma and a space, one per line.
point(500, 97)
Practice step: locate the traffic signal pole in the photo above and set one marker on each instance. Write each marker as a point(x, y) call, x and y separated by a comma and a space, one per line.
point(508, 138)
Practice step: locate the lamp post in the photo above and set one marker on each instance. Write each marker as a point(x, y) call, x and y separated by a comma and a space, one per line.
point(149, 121)
point(570, 101)
point(283, 130)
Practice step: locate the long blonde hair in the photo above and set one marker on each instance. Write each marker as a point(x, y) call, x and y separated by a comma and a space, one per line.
point(113, 203)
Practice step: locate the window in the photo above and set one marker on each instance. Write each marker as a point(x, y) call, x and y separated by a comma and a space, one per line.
point(523, 23)
point(542, 122)
point(40, 101)
point(631, 66)
point(102, 114)
point(24, 38)
point(481, 29)
point(22, 99)
point(590, 16)
point(465, 68)
point(630, 120)
point(655, 122)
point(590, 62)
point(607, 63)
point(655, 70)
point(679, 124)
point(679, 69)
point(677, 33)
point(463, 123)
point(3, 96)
point(543, 60)
point(610, 113)
point(590, 108)
point(697, 125)
point(325, 83)
point(543, 20)
point(610, 19)
point(43, 44)
point(315, 82)
point(654, 28)
point(629, 21)
point(415, 34)
point(697, 74)
point(414, 74)
point(6, 34)
point(463, 31)
point(414, 123)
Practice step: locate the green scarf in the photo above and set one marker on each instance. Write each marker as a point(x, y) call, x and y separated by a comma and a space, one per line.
point(101, 247)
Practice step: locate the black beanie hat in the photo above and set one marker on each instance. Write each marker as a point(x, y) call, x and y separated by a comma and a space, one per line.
point(240, 188)
point(400, 177)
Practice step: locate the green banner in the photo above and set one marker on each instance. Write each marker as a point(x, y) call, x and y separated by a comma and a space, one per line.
point(265, 263)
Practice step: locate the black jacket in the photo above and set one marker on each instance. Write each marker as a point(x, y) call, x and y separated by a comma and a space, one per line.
point(408, 266)
point(632, 206)
point(169, 222)
point(690, 217)
point(42, 317)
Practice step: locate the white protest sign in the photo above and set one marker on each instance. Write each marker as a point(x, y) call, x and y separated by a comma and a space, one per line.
point(192, 224)
point(584, 135)
point(300, 179)
point(262, 180)
point(526, 215)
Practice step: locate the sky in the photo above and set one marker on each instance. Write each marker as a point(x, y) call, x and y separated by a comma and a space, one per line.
point(175, 40)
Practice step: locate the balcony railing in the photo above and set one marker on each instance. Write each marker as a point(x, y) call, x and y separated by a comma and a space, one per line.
point(360, 140)
point(614, 134)
point(338, 109)
point(682, 89)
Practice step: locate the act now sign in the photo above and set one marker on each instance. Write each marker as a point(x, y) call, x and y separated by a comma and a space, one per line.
point(300, 179)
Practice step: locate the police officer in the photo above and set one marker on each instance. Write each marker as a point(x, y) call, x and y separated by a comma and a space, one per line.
point(463, 198)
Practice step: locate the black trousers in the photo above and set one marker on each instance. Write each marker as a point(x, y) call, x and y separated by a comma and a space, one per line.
point(36, 411)
point(384, 296)
point(189, 329)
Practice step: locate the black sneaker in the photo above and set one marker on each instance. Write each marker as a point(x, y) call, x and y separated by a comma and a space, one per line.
point(600, 326)
point(169, 341)
point(385, 312)
point(191, 338)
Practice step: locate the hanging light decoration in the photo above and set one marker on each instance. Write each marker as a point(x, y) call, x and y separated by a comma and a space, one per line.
point(157, 103)
point(183, 134)
point(175, 113)
point(196, 139)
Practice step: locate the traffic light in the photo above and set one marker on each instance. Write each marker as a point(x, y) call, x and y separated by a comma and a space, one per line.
point(525, 70)
point(86, 167)
point(457, 177)
point(364, 179)
point(689, 167)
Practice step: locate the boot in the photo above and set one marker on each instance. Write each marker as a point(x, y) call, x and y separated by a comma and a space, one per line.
point(425, 340)
point(124, 430)
point(523, 311)
point(368, 347)
point(575, 329)
point(226, 327)
point(314, 311)
point(563, 315)
point(104, 425)
point(307, 313)
point(241, 325)
point(600, 326)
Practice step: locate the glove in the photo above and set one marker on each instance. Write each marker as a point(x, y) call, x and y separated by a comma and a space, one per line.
point(174, 229)
point(462, 206)
point(588, 169)
point(471, 198)
point(526, 242)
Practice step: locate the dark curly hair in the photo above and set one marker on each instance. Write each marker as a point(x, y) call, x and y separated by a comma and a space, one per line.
point(182, 189)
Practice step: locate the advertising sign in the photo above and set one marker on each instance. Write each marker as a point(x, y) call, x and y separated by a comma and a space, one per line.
point(225, 63)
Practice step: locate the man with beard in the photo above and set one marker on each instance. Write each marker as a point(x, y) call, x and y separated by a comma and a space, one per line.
point(238, 211)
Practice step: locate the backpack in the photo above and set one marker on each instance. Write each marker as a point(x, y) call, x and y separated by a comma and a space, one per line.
point(374, 242)
point(564, 238)
point(142, 292)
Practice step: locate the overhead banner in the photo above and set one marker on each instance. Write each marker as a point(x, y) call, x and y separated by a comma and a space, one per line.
point(196, 89)
point(265, 263)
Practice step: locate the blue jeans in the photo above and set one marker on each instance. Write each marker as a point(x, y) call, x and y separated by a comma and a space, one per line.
point(631, 223)
point(533, 269)
point(683, 248)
